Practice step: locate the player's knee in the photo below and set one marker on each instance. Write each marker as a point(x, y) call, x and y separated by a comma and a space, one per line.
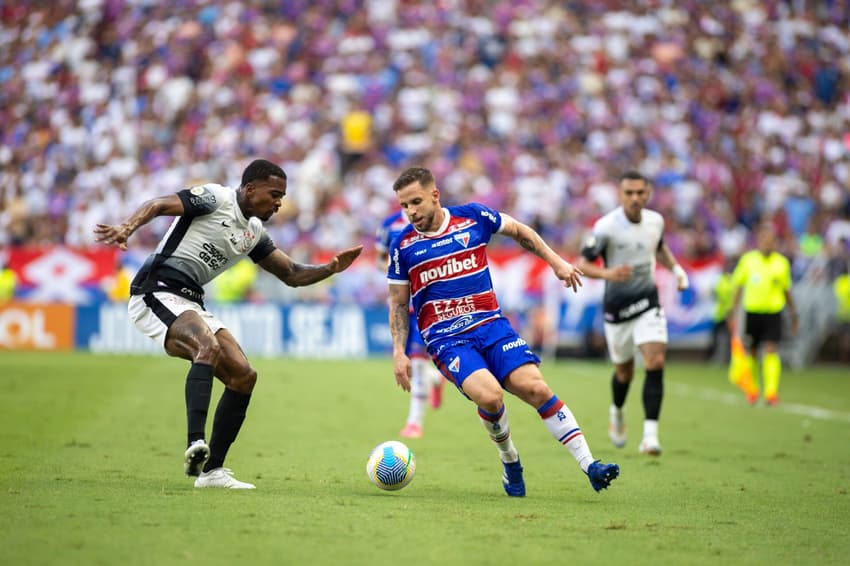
point(538, 393)
point(245, 381)
point(209, 351)
point(655, 361)
point(533, 390)
point(624, 375)
point(490, 400)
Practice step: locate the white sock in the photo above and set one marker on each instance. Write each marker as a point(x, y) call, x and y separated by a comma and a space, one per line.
point(616, 412)
point(650, 429)
point(564, 427)
point(418, 392)
point(500, 433)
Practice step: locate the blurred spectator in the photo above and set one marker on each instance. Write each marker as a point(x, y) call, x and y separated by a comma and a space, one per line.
point(527, 106)
point(236, 284)
point(356, 134)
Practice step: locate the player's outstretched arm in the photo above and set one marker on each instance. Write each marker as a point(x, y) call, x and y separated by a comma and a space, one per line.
point(529, 239)
point(399, 329)
point(595, 271)
point(170, 205)
point(300, 274)
point(666, 258)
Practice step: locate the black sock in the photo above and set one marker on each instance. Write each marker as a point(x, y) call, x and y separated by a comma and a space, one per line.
point(653, 392)
point(198, 391)
point(619, 391)
point(229, 416)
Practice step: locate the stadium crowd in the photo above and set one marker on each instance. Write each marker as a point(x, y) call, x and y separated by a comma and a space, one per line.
point(737, 110)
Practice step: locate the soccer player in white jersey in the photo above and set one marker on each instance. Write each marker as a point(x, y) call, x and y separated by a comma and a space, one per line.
point(629, 239)
point(216, 226)
point(439, 264)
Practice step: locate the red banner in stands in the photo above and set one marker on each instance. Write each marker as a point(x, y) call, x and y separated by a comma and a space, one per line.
point(61, 274)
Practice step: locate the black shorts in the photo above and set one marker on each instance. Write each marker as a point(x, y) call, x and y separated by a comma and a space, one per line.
point(763, 327)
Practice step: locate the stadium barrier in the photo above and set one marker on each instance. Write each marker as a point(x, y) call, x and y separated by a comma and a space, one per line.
point(301, 330)
point(61, 305)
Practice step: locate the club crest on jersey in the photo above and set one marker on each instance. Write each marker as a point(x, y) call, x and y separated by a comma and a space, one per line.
point(454, 365)
point(244, 244)
point(462, 239)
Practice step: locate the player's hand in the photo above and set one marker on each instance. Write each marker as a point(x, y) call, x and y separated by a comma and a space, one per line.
point(620, 273)
point(403, 370)
point(682, 282)
point(344, 259)
point(112, 235)
point(570, 275)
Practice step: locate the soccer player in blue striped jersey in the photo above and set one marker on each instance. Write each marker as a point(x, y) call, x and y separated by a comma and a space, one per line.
point(425, 381)
point(439, 263)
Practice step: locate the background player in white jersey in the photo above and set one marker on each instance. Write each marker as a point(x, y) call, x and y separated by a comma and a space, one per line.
point(439, 263)
point(629, 239)
point(215, 227)
point(425, 381)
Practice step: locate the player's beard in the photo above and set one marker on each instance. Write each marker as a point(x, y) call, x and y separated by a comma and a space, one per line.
point(426, 223)
point(267, 216)
point(633, 213)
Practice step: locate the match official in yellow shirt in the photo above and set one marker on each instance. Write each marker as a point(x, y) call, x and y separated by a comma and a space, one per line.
point(763, 278)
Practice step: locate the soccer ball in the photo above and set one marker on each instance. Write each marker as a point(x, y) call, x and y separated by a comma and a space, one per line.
point(391, 465)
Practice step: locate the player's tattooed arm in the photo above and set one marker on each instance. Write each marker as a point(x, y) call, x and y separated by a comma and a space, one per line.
point(530, 240)
point(296, 274)
point(399, 329)
point(169, 205)
point(399, 316)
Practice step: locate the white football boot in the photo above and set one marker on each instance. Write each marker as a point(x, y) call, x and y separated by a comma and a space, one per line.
point(195, 457)
point(617, 426)
point(650, 445)
point(221, 477)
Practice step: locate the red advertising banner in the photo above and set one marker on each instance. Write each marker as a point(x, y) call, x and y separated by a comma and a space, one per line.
point(61, 274)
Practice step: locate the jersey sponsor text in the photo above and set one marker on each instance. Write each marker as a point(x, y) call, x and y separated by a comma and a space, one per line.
point(451, 267)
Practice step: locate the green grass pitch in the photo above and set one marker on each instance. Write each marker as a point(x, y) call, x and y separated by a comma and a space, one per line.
point(91, 471)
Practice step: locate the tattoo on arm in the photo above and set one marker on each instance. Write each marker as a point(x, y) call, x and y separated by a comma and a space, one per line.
point(399, 325)
point(528, 244)
point(303, 274)
point(531, 241)
point(399, 301)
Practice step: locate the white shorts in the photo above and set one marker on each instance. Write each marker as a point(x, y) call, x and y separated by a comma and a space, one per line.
point(154, 315)
point(624, 337)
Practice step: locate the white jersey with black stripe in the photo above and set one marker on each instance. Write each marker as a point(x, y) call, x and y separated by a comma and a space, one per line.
point(211, 236)
point(619, 241)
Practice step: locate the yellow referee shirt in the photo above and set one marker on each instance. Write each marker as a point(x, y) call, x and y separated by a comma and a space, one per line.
point(842, 297)
point(765, 280)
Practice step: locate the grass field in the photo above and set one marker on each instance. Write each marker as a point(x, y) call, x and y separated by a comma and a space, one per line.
point(91, 472)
